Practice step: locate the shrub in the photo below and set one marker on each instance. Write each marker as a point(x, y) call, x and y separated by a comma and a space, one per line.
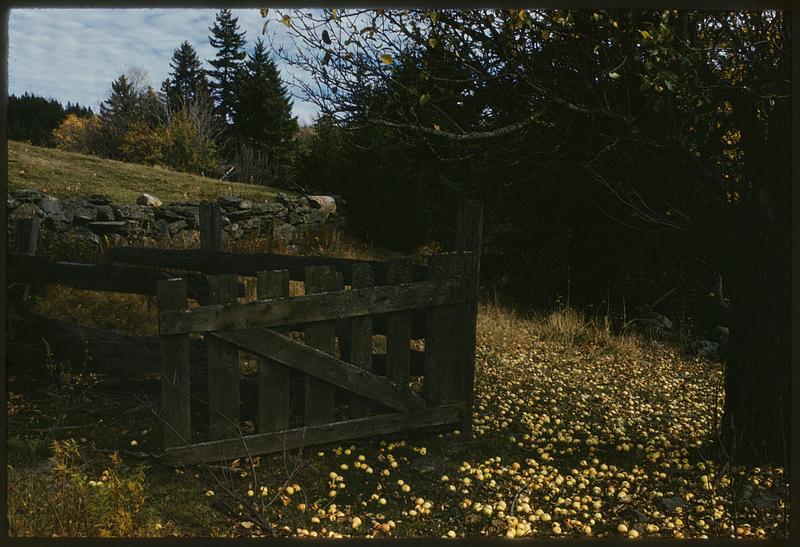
point(78, 134)
point(64, 501)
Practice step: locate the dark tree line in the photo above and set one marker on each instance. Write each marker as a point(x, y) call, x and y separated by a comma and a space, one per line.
point(621, 155)
point(32, 118)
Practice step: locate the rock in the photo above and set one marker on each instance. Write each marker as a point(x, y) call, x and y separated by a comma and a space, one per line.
point(284, 233)
point(99, 199)
point(181, 211)
point(27, 195)
point(85, 234)
point(11, 203)
point(706, 348)
point(149, 200)
point(26, 210)
point(105, 213)
point(108, 227)
point(325, 204)
point(282, 198)
point(132, 212)
point(78, 210)
point(51, 207)
point(162, 228)
point(245, 204)
point(228, 201)
point(236, 216)
point(175, 227)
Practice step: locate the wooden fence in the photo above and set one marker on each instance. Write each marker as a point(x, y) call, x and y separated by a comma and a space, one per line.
point(425, 312)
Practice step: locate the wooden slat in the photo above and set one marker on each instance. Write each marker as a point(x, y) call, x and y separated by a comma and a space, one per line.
point(210, 226)
point(320, 307)
point(100, 277)
point(469, 233)
point(212, 262)
point(223, 367)
point(360, 339)
point(319, 395)
point(273, 377)
point(446, 337)
point(175, 394)
point(324, 367)
point(398, 329)
point(278, 441)
point(26, 235)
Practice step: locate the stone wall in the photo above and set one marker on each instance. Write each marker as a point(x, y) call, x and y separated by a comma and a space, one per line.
point(97, 219)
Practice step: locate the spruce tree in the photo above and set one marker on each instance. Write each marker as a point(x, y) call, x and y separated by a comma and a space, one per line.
point(227, 62)
point(263, 114)
point(187, 82)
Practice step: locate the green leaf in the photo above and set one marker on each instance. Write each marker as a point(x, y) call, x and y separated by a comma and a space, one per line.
point(613, 75)
point(432, 42)
point(286, 20)
point(670, 85)
point(423, 100)
point(386, 59)
point(645, 34)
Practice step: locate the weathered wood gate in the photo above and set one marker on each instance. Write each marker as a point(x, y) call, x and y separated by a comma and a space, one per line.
point(335, 323)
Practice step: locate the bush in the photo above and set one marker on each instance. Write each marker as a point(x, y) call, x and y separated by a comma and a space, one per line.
point(63, 501)
point(78, 134)
point(187, 148)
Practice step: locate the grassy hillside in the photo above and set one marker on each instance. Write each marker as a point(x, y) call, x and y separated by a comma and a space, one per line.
point(62, 174)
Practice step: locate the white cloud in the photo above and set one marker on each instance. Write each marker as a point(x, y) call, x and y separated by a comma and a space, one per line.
point(74, 54)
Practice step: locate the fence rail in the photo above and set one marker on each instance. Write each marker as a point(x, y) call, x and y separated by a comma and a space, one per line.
point(326, 336)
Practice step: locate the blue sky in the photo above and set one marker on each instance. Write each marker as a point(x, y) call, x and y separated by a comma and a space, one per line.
point(74, 54)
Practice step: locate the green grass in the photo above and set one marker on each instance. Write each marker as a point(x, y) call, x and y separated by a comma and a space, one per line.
point(63, 174)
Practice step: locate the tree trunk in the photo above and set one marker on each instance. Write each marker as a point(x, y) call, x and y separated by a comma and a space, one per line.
point(757, 419)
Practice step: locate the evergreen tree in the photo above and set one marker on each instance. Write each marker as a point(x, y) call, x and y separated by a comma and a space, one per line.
point(32, 118)
point(227, 62)
point(187, 82)
point(118, 114)
point(263, 115)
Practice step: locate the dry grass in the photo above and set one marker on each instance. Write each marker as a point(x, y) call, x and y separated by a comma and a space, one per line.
point(505, 327)
point(63, 174)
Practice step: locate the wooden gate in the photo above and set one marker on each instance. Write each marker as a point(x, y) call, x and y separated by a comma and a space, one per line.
point(326, 334)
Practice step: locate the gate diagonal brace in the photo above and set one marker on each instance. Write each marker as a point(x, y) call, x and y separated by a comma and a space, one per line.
point(280, 348)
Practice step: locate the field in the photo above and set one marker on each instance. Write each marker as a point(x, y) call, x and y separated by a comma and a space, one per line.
point(578, 433)
point(63, 174)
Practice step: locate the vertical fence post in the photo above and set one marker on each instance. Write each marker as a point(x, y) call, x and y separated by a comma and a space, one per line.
point(223, 366)
point(26, 239)
point(273, 377)
point(26, 235)
point(398, 328)
point(469, 233)
point(210, 226)
point(319, 395)
point(360, 333)
point(175, 389)
point(445, 336)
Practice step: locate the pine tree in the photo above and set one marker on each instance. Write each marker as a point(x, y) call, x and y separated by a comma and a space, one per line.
point(263, 116)
point(187, 82)
point(227, 63)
